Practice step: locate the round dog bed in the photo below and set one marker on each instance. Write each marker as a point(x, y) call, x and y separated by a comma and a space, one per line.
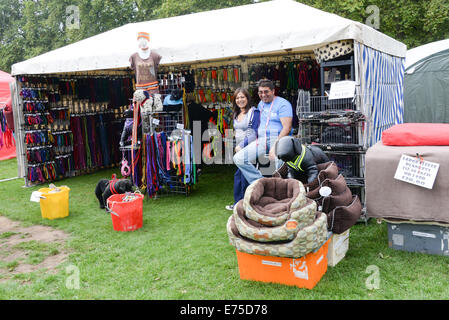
point(251, 229)
point(270, 201)
point(305, 240)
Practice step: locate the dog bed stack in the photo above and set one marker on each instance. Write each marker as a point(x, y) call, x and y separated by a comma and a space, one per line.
point(341, 207)
point(275, 218)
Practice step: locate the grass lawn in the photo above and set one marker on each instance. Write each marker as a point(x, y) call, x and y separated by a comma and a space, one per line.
point(182, 251)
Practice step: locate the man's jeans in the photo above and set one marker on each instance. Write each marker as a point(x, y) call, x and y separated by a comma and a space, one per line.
point(246, 158)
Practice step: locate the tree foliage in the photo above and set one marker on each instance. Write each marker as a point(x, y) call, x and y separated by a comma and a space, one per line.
point(32, 27)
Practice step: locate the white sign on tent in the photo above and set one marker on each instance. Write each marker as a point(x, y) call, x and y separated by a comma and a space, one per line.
point(342, 89)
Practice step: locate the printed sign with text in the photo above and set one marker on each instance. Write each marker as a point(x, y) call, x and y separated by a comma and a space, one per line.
point(342, 89)
point(417, 171)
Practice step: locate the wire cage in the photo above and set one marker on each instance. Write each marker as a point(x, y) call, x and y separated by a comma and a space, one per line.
point(311, 107)
point(336, 124)
point(334, 135)
point(349, 165)
point(341, 128)
point(321, 108)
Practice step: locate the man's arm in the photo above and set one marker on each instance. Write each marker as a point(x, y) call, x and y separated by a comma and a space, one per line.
point(286, 128)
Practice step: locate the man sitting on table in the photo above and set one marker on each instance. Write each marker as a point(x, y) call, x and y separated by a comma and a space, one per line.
point(276, 116)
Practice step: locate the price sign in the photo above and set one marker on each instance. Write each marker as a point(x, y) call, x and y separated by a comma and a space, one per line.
point(156, 121)
point(342, 89)
point(417, 171)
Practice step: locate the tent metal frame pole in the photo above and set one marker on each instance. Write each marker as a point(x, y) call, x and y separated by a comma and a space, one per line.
point(19, 129)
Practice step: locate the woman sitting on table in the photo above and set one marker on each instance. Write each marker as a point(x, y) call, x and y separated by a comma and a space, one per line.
point(246, 122)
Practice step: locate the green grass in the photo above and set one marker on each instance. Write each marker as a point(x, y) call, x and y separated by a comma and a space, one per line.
point(37, 251)
point(8, 234)
point(182, 251)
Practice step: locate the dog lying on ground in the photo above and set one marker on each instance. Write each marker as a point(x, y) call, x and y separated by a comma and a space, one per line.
point(105, 188)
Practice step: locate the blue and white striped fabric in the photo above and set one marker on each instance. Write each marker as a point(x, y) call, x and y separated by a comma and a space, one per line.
point(381, 80)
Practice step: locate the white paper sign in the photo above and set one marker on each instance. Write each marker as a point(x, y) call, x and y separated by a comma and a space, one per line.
point(156, 121)
point(342, 89)
point(36, 196)
point(179, 126)
point(416, 171)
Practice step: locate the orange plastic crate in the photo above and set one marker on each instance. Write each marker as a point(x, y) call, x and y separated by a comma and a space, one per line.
point(304, 272)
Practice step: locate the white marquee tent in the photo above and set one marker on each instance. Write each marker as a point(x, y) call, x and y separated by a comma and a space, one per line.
point(266, 27)
point(261, 29)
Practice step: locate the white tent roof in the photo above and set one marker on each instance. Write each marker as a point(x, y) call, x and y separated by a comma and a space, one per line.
point(416, 54)
point(265, 27)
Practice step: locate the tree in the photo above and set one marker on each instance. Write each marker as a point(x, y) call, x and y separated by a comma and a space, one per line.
point(32, 27)
point(12, 44)
point(170, 8)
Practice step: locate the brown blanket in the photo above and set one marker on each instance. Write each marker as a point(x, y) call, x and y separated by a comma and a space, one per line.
point(387, 197)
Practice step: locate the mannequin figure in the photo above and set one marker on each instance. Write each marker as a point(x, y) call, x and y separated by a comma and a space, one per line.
point(145, 63)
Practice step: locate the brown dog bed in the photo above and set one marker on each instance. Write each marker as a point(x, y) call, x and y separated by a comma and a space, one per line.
point(257, 231)
point(276, 219)
point(328, 170)
point(342, 218)
point(305, 240)
point(337, 185)
point(342, 208)
point(270, 201)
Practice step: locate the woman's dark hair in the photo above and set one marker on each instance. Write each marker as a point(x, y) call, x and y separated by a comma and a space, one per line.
point(235, 107)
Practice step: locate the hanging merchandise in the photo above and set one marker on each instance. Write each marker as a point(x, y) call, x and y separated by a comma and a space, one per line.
point(125, 169)
point(292, 83)
point(303, 76)
point(70, 126)
point(151, 173)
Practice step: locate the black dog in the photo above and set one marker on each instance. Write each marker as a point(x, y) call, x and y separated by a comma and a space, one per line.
point(105, 188)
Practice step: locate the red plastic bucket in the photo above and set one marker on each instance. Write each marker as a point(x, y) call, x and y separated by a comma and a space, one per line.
point(126, 211)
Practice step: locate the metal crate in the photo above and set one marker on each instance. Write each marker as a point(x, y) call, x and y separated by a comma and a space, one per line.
point(334, 135)
point(338, 124)
point(349, 165)
point(308, 106)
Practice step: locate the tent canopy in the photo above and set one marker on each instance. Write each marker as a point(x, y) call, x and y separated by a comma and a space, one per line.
point(261, 28)
point(417, 54)
point(426, 94)
point(5, 93)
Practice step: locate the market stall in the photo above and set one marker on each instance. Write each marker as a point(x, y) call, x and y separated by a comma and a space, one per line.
point(88, 85)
